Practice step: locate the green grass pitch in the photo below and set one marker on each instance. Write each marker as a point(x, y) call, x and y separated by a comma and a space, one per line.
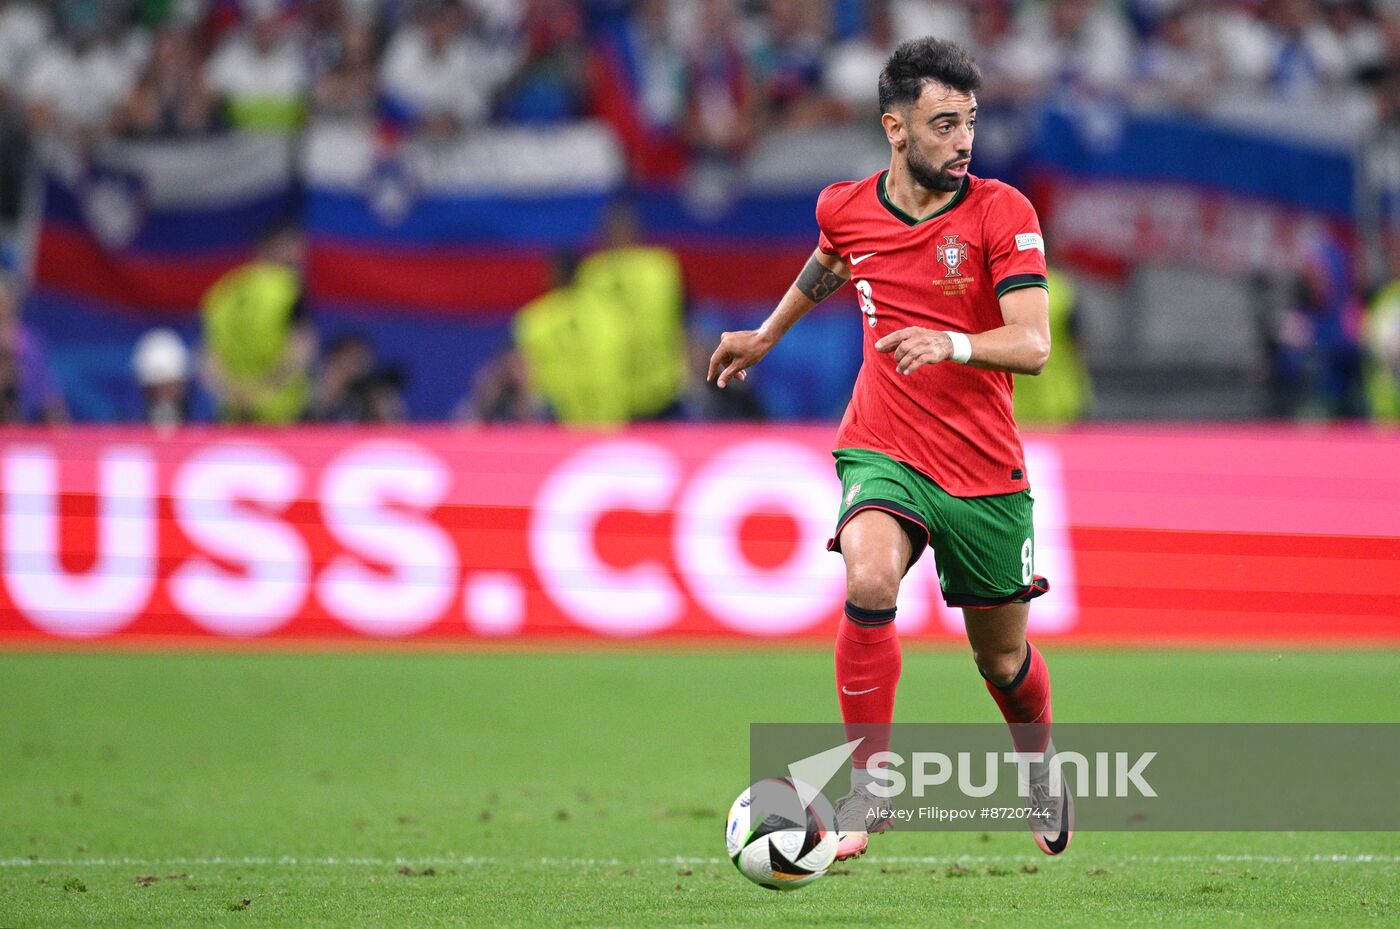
point(589, 789)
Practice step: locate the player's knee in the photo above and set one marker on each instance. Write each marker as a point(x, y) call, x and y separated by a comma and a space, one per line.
point(1000, 665)
point(871, 587)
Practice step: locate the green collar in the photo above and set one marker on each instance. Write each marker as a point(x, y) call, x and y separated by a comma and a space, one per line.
point(904, 217)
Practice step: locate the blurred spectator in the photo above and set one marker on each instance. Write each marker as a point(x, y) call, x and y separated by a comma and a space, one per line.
point(719, 88)
point(1062, 393)
point(323, 22)
point(644, 286)
point(947, 19)
point(171, 100)
point(1177, 66)
point(352, 387)
point(497, 18)
point(573, 343)
point(1313, 343)
point(11, 404)
point(341, 391)
point(607, 345)
point(702, 401)
point(789, 66)
point(501, 392)
point(637, 85)
point(161, 364)
point(1009, 69)
point(1383, 356)
point(384, 399)
point(1241, 42)
point(548, 83)
point(1306, 58)
point(367, 11)
point(260, 70)
point(168, 13)
point(853, 67)
point(660, 64)
point(1085, 45)
point(24, 28)
point(438, 78)
point(1289, 342)
point(1381, 343)
point(28, 392)
point(1356, 27)
point(347, 89)
point(77, 83)
point(259, 341)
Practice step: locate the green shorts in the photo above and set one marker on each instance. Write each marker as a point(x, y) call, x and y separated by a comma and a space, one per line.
point(984, 546)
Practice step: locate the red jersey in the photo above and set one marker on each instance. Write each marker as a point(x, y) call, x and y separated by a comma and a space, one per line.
point(951, 422)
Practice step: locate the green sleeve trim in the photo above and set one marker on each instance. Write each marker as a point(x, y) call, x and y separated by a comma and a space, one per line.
point(1017, 281)
point(1008, 290)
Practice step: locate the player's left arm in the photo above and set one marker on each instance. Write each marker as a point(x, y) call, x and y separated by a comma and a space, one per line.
point(1021, 345)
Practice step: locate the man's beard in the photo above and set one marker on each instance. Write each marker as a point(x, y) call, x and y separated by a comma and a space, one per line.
point(926, 175)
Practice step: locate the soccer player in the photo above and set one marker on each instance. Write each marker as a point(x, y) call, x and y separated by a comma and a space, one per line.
point(950, 279)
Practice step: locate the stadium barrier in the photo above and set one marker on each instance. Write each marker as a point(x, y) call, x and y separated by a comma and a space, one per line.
point(1149, 535)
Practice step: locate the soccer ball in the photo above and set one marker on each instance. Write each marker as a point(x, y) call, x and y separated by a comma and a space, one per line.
point(774, 841)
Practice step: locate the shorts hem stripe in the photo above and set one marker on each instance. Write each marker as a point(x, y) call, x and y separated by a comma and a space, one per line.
point(897, 510)
point(1032, 590)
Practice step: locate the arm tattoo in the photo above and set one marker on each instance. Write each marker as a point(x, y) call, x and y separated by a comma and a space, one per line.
point(817, 282)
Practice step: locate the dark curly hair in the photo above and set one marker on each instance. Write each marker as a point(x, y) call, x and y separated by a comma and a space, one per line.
point(927, 59)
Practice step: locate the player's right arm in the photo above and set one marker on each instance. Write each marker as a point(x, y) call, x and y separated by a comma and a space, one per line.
point(823, 275)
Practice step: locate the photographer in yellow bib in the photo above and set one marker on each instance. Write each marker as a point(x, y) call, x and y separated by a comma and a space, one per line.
point(259, 342)
point(607, 345)
point(1063, 392)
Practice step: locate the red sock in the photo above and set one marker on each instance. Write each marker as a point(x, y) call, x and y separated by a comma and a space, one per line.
point(868, 663)
point(1026, 700)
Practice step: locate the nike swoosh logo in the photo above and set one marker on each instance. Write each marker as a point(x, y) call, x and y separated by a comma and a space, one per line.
point(857, 693)
point(855, 260)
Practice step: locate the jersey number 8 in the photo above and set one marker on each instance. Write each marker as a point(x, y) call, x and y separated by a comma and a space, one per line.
point(867, 301)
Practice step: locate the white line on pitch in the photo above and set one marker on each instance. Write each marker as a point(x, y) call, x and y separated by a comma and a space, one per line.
point(470, 861)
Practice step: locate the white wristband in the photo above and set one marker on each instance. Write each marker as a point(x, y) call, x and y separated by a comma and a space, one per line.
point(962, 347)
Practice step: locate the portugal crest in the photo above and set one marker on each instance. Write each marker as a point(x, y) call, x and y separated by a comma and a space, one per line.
point(951, 254)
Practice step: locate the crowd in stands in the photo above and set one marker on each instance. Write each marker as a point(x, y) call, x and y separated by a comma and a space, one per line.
point(681, 81)
point(710, 75)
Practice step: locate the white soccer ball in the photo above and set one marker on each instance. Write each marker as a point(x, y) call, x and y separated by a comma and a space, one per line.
point(777, 843)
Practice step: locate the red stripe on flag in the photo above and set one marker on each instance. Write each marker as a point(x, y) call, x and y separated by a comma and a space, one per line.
point(742, 273)
point(467, 280)
point(75, 262)
point(443, 280)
